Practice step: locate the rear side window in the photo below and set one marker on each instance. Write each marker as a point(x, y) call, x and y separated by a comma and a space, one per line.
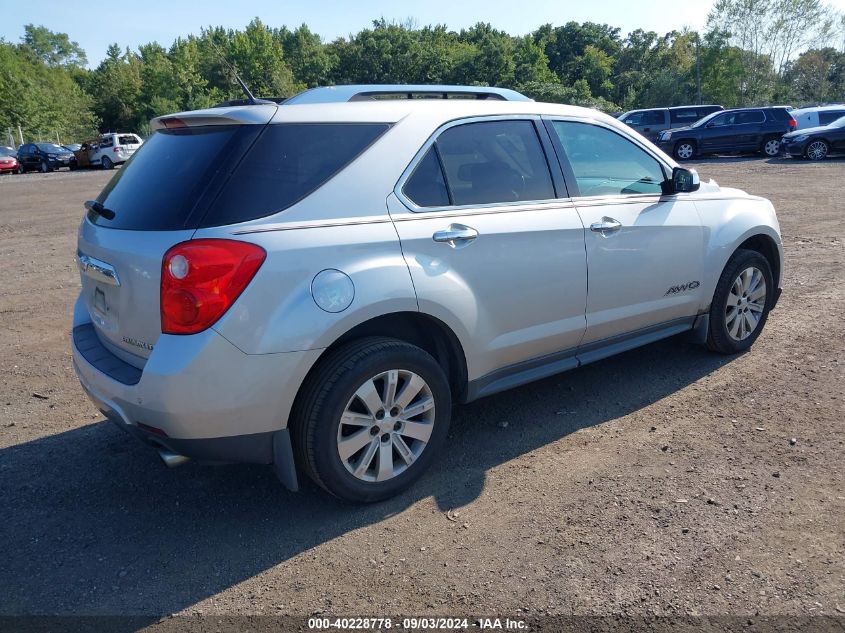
point(426, 186)
point(750, 116)
point(161, 184)
point(128, 139)
point(828, 117)
point(780, 114)
point(288, 162)
point(686, 115)
point(494, 162)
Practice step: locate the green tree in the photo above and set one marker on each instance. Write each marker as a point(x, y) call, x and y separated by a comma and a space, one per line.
point(54, 49)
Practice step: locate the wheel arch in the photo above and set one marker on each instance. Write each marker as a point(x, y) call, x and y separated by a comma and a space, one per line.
point(425, 331)
point(766, 246)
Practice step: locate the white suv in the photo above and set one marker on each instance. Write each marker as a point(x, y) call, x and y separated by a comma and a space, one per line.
point(323, 279)
point(113, 149)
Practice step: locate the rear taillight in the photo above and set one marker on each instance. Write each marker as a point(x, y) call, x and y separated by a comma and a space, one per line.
point(117, 149)
point(793, 124)
point(201, 279)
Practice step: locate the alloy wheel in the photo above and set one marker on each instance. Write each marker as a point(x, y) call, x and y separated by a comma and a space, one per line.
point(817, 150)
point(386, 425)
point(746, 303)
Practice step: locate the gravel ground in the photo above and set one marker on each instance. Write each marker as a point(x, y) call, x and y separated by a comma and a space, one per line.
point(663, 481)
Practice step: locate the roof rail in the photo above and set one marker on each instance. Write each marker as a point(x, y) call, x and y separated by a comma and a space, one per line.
point(368, 92)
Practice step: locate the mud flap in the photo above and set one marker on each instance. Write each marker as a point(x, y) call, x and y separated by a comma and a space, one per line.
point(283, 463)
point(700, 329)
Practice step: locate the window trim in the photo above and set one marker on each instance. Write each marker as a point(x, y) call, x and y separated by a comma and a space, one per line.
point(431, 140)
point(569, 174)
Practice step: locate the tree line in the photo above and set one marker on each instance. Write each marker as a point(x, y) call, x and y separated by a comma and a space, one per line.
point(751, 52)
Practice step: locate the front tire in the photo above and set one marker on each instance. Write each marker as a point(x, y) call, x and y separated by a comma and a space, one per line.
point(817, 150)
point(45, 167)
point(741, 303)
point(684, 150)
point(371, 419)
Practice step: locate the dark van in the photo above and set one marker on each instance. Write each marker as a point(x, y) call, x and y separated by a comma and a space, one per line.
point(651, 122)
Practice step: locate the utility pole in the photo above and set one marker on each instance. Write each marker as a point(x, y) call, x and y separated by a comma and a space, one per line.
point(698, 66)
point(20, 133)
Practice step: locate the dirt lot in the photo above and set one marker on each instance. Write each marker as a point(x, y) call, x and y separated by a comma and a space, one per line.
point(662, 481)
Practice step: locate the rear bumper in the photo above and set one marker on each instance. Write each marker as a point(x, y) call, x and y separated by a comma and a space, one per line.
point(197, 396)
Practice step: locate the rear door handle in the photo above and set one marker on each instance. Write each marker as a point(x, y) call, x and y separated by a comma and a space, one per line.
point(456, 236)
point(606, 226)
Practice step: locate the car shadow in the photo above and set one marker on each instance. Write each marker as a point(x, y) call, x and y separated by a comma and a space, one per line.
point(94, 524)
point(757, 158)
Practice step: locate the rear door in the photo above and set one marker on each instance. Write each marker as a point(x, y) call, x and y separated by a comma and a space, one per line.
point(493, 252)
point(750, 129)
point(645, 251)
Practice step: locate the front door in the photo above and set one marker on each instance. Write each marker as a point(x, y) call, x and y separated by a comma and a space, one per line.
point(645, 251)
point(492, 252)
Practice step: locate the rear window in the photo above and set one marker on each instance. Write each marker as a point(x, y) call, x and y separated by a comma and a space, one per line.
point(288, 162)
point(159, 187)
point(194, 177)
point(128, 139)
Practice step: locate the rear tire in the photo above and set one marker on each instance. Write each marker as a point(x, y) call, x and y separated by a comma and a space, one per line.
point(107, 164)
point(817, 150)
point(771, 147)
point(354, 428)
point(741, 303)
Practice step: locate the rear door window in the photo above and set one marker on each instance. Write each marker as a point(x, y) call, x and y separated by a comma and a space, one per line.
point(685, 116)
point(750, 116)
point(493, 162)
point(427, 187)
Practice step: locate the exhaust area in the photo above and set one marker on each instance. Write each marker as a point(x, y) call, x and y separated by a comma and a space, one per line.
point(172, 460)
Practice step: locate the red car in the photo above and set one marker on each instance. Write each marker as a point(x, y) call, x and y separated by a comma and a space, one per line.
point(9, 162)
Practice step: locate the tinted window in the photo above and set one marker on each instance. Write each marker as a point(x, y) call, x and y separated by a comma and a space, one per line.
point(646, 117)
point(495, 161)
point(686, 115)
point(287, 163)
point(52, 148)
point(780, 114)
point(605, 163)
point(826, 118)
point(159, 186)
point(426, 187)
point(128, 139)
point(750, 116)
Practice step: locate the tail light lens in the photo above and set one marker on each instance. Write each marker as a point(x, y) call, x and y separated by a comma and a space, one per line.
point(117, 149)
point(201, 279)
point(793, 124)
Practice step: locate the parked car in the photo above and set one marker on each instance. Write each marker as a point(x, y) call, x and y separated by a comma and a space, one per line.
point(72, 147)
point(112, 149)
point(9, 161)
point(730, 132)
point(816, 143)
point(44, 157)
point(652, 121)
point(357, 267)
point(818, 116)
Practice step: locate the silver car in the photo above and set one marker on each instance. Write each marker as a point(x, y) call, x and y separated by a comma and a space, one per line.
point(325, 278)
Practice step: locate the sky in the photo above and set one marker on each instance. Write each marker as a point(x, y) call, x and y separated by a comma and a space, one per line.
point(95, 24)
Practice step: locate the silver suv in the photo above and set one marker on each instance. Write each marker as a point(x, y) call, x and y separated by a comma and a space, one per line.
point(325, 278)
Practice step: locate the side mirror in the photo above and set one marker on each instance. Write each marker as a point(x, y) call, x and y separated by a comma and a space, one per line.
point(683, 181)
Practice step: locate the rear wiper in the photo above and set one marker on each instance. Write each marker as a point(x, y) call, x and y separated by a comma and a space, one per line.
point(99, 209)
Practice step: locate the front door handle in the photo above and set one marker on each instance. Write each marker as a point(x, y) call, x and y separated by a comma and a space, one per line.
point(606, 226)
point(456, 236)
